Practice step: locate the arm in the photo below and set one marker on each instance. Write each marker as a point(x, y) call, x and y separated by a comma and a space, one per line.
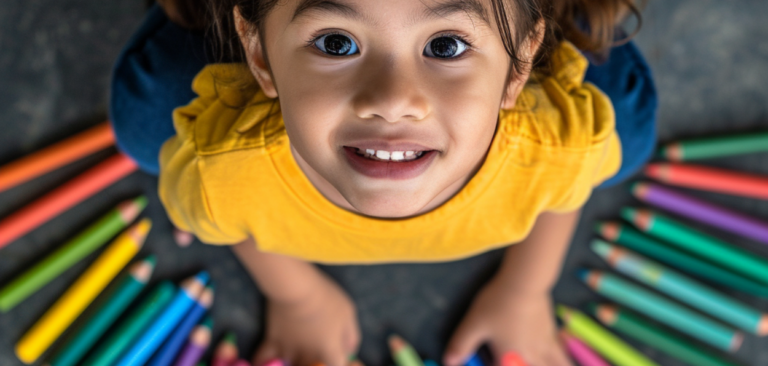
point(533, 265)
point(514, 312)
point(310, 319)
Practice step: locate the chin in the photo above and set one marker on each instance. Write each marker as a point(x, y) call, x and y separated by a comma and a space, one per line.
point(389, 207)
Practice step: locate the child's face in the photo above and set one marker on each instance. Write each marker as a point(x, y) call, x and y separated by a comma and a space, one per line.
point(392, 77)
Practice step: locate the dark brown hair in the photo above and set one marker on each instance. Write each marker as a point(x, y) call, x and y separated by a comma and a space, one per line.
point(589, 24)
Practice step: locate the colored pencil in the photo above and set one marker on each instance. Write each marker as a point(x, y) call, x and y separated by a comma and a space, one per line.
point(70, 253)
point(56, 155)
point(640, 329)
point(119, 299)
point(601, 340)
point(403, 353)
point(637, 241)
point(275, 362)
point(580, 352)
point(682, 288)
point(129, 329)
point(226, 351)
point(710, 179)
point(65, 196)
point(474, 360)
point(511, 358)
point(663, 310)
point(702, 211)
point(430, 363)
point(167, 353)
point(169, 318)
point(698, 243)
point(198, 343)
point(715, 147)
point(70, 305)
point(67, 308)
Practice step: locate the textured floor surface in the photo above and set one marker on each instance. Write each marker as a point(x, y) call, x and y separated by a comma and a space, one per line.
point(710, 60)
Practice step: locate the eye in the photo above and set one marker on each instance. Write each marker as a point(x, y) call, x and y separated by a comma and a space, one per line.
point(335, 44)
point(445, 47)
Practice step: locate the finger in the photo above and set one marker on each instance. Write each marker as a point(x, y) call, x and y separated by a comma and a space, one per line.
point(464, 343)
point(559, 355)
point(268, 352)
point(182, 238)
point(350, 342)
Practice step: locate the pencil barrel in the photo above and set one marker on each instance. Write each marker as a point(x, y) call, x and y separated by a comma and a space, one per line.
point(716, 147)
point(710, 179)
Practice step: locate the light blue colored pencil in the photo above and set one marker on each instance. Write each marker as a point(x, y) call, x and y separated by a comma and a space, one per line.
point(158, 331)
point(167, 353)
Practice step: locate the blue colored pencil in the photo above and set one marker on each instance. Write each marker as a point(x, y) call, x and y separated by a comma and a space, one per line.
point(475, 360)
point(167, 353)
point(153, 337)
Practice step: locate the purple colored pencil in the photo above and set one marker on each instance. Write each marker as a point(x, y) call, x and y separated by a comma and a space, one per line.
point(199, 340)
point(701, 211)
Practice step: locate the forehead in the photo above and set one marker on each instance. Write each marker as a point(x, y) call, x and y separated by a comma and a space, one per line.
point(420, 10)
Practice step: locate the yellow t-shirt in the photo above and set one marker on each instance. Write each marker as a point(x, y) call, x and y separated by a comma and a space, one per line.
point(229, 174)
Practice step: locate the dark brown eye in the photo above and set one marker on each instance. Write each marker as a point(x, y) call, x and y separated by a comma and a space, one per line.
point(445, 47)
point(336, 45)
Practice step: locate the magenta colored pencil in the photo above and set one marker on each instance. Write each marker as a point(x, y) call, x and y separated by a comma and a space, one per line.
point(580, 352)
point(701, 211)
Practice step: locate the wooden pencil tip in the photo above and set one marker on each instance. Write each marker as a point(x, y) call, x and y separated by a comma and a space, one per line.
point(396, 343)
point(640, 189)
point(139, 231)
point(762, 326)
point(230, 338)
point(563, 312)
point(610, 230)
point(606, 314)
point(206, 298)
point(130, 210)
point(142, 270)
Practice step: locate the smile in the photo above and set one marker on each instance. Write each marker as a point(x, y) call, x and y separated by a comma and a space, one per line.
point(384, 155)
point(384, 164)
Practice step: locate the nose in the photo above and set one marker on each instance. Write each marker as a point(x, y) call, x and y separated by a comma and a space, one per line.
point(390, 90)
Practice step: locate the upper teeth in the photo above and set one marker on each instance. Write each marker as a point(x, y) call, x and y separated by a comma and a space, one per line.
point(392, 155)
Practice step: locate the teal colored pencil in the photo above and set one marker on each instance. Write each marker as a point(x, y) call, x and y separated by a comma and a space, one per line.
point(663, 310)
point(124, 293)
point(118, 340)
point(701, 244)
point(682, 288)
point(641, 243)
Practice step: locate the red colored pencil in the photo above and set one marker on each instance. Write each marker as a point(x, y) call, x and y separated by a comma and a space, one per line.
point(56, 155)
point(62, 198)
point(710, 179)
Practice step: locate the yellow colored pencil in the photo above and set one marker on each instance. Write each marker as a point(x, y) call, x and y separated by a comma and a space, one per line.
point(70, 305)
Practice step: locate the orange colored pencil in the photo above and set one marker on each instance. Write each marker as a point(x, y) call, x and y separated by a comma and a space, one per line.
point(55, 202)
point(710, 179)
point(56, 155)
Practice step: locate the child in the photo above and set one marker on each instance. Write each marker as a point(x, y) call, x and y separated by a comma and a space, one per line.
point(400, 130)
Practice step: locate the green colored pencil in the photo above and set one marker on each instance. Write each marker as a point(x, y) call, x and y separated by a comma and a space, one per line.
point(696, 242)
point(403, 353)
point(70, 253)
point(637, 328)
point(639, 242)
point(682, 288)
point(124, 293)
point(663, 310)
point(122, 337)
point(715, 147)
point(601, 340)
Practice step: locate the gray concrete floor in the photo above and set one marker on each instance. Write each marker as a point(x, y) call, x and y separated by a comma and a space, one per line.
point(710, 60)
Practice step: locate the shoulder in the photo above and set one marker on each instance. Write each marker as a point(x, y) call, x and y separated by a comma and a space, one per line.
point(560, 109)
point(230, 112)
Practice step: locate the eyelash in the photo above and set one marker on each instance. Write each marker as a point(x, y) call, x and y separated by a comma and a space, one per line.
point(470, 47)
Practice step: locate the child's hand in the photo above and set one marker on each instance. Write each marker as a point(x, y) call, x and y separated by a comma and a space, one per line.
point(508, 321)
point(321, 328)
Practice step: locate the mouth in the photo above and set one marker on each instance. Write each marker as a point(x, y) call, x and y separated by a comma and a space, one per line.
point(385, 155)
point(386, 164)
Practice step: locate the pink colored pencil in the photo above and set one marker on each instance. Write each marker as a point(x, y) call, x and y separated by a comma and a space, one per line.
point(580, 352)
point(702, 211)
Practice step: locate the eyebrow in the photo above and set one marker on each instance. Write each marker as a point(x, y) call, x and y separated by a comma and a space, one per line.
point(442, 10)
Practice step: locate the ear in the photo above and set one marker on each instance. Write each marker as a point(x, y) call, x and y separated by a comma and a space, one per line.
point(517, 82)
point(254, 54)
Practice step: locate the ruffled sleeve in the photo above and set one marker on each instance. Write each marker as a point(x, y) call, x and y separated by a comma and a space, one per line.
point(566, 128)
point(182, 183)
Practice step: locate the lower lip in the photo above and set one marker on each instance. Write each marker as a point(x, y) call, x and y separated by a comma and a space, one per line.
point(388, 169)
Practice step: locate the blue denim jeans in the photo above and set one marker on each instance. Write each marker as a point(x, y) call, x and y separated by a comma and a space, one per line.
point(154, 73)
